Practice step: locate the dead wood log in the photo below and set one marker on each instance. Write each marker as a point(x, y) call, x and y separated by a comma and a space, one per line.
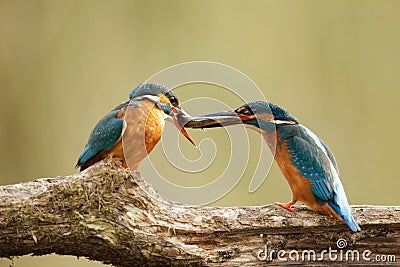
point(110, 215)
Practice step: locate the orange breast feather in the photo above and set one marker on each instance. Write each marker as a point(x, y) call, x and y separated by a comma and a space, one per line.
point(144, 126)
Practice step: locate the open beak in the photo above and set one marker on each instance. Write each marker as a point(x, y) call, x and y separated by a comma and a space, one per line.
point(179, 117)
point(219, 119)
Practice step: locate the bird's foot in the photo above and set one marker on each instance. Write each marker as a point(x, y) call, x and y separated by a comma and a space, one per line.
point(287, 206)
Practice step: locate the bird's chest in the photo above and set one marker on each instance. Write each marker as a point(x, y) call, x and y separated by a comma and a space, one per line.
point(144, 126)
point(143, 130)
point(299, 185)
point(153, 128)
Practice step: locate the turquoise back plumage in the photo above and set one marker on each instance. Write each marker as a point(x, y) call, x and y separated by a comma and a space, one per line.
point(103, 137)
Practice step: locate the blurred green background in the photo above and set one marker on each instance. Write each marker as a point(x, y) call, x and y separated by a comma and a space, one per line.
point(333, 64)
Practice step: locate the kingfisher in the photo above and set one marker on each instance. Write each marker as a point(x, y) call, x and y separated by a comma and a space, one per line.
point(304, 159)
point(131, 130)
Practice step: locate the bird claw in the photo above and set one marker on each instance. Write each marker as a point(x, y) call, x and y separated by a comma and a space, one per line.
point(287, 206)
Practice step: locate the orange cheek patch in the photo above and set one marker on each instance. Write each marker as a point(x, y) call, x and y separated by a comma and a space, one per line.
point(164, 99)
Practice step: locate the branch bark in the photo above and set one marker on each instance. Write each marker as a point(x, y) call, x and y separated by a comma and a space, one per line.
point(110, 215)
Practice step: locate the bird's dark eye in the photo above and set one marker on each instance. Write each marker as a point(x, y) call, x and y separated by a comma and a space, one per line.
point(174, 101)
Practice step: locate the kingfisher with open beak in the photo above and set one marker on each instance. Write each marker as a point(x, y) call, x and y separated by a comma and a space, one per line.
point(306, 162)
point(132, 129)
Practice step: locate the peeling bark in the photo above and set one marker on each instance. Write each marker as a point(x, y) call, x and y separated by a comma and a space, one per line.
point(110, 215)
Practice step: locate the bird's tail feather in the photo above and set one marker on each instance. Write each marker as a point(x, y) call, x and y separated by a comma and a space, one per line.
point(346, 216)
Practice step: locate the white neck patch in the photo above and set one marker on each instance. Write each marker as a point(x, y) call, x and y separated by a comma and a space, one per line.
point(283, 122)
point(153, 98)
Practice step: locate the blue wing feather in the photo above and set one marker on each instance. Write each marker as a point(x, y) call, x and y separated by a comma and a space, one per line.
point(330, 155)
point(312, 164)
point(315, 162)
point(103, 137)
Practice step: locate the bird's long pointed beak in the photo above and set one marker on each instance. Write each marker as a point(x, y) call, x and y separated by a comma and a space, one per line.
point(178, 115)
point(219, 119)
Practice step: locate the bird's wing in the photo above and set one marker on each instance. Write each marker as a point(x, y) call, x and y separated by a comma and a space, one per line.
point(330, 155)
point(103, 137)
point(314, 164)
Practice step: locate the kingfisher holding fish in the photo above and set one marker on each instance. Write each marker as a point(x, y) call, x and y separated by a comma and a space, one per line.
point(306, 162)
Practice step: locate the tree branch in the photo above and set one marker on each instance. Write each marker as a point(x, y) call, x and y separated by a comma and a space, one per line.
point(108, 214)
